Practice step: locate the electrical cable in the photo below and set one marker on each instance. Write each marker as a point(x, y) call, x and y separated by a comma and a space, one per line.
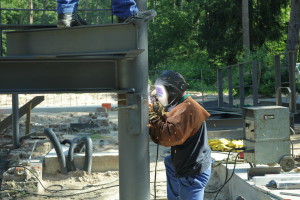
point(292, 141)
point(49, 190)
point(292, 151)
point(214, 191)
point(226, 176)
point(62, 188)
point(66, 195)
point(229, 177)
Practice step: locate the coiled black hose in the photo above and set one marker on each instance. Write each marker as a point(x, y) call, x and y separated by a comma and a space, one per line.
point(78, 147)
point(70, 158)
point(60, 155)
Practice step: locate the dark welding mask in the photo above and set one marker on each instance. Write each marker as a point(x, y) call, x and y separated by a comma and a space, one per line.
point(170, 87)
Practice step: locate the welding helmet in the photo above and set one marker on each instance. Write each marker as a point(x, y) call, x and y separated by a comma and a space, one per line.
point(170, 87)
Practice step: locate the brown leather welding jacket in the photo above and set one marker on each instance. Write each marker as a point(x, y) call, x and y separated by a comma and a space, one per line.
point(181, 123)
point(184, 129)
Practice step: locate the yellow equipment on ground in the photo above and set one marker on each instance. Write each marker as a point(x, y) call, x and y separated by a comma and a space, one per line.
point(223, 144)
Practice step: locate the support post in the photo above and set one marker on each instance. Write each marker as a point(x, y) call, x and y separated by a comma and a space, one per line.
point(230, 88)
point(220, 88)
point(28, 119)
point(292, 71)
point(15, 121)
point(245, 24)
point(0, 30)
point(277, 77)
point(254, 82)
point(202, 88)
point(134, 168)
point(242, 88)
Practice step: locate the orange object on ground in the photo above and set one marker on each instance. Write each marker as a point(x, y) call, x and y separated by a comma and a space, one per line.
point(106, 105)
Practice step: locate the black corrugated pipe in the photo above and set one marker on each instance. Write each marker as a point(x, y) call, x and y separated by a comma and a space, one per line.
point(87, 142)
point(60, 155)
point(70, 158)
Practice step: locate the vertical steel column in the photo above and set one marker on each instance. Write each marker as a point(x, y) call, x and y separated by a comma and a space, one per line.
point(277, 77)
point(230, 93)
point(242, 89)
point(0, 30)
point(254, 82)
point(292, 71)
point(134, 168)
point(15, 120)
point(220, 88)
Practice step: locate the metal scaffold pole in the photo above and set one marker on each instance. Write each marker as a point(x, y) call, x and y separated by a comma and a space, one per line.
point(15, 120)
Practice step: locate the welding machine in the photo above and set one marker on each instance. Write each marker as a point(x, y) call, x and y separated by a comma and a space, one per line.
point(267, 132)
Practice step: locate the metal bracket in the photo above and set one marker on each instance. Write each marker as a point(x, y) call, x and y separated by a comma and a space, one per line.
point(135, 106)
point(130, 105)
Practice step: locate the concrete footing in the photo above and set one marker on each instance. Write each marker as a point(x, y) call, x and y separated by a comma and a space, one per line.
point(252, 189)
point(105, 161)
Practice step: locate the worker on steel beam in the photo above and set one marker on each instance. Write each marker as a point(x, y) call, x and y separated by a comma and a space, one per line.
point(182, 128)
point(126, 10)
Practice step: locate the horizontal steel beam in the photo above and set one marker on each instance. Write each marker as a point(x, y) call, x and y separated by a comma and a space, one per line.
point(34, 76)
point(75, 40)
point(225, 123)
point(112, 56)
point(25, 26)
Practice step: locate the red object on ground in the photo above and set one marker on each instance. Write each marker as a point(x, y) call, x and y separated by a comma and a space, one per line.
point(106, 105)
point(242, 155)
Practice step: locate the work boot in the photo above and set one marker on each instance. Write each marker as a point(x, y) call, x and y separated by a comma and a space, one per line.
point(66, 20)
point(141, 15)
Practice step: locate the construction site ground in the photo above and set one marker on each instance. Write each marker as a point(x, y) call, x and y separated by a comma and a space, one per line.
point(103, 185)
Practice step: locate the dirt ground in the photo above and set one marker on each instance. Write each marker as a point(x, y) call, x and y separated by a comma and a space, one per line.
point(79, 184)
point(101, 185)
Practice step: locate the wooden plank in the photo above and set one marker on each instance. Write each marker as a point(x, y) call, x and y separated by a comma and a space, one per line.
point(22, 111)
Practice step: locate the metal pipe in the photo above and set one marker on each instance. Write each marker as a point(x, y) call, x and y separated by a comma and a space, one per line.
point(15, 121)
point(242, 86)
point(292, 71)
point(230, 88)
point(255, 83)
point(134, 169)
point(60, 155)
point(278, 96)
point(277, 76)
point(1, 31)
point(220, 88)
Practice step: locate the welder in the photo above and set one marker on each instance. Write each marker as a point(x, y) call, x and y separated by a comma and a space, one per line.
point(182, 128)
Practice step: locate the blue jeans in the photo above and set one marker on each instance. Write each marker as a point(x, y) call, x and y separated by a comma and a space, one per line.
point(121, 8)
point(185, 188)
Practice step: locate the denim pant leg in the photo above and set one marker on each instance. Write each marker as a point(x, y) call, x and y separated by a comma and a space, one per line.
point(124, 8)
point(192, 188)
point(172, 181)
point(66, 6)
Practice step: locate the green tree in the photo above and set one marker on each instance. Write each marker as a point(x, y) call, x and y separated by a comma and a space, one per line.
point(221, 28)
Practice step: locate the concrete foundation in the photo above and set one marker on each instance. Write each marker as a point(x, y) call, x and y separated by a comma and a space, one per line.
point(253, 189)
point(26, 177)
point(106, 161)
